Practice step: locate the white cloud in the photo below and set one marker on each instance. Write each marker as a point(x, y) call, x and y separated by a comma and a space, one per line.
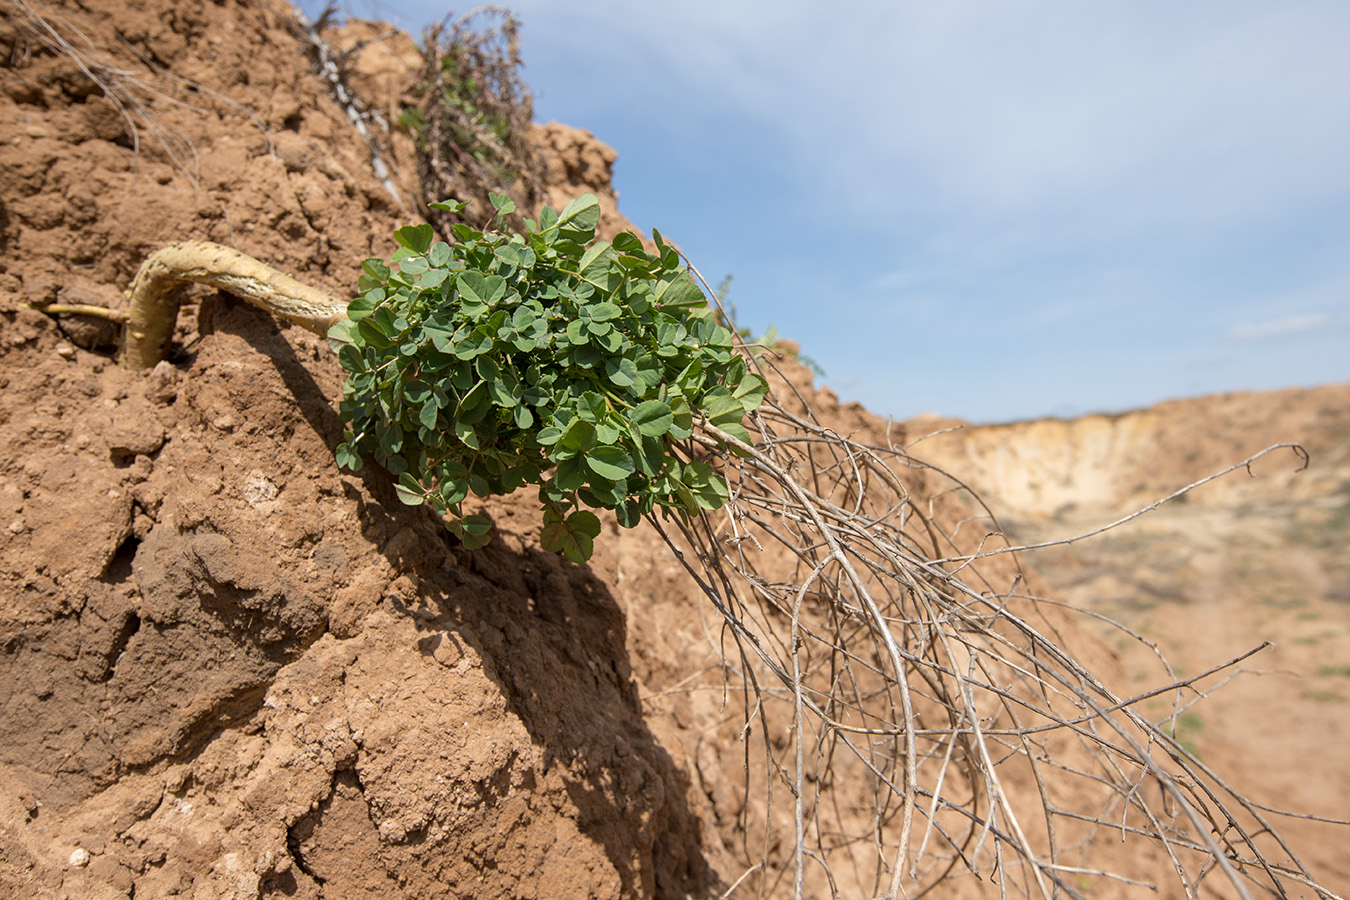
point(1285, 326)
point(1116, 116)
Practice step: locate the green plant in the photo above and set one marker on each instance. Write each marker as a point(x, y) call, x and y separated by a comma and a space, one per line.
point(544, 357)
point(843, 630)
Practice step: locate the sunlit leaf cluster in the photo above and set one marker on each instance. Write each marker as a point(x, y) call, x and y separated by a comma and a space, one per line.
point(546, 358)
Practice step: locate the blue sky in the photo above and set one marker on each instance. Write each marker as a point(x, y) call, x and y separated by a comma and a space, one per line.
point(992, 210)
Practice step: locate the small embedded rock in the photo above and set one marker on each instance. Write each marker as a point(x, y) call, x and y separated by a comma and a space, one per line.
point(161, 385)
point(135, 432)
point(79, 858)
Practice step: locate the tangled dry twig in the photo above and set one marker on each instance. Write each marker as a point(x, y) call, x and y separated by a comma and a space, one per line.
point(896, 679)
point(471, 114)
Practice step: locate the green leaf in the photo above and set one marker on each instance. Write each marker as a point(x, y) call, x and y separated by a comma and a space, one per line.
point(427, 416)
point(409, 491)
point(548, 220)
point(467, 434)
point(505, 392)
point(432, 279)
point(570, 474)
point(342, 332)
point(370, 333)
point(679, 291)
point(604, 312)
point(629, 513)
point(454, 490)
point(592, 406)
point(473, 531)
point(611, 342)
point(750, 392)
point(594, 252)
point(415, 237)
point(651, 459)
point(415, 265)
point(523, 318)
point(653, 418)
point(627, 242)
point(610, 462)
point(576, 332)
point(608, 429)
point(682, 428)
point(359, 308)
point(722, 408)
point(475, 287)
point(450, 206)
point(348, 458)
point(736, 430)
point(578, 220)
point(474, 405)
point(707, 487)
point(584, 522)
point(573, 543)
point(442, 335)
point(622, 372)
point(476, 343)
point(376, 269)
point(578, 436)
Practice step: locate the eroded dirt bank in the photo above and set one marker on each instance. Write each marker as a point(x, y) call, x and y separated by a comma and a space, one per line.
point(229, 669)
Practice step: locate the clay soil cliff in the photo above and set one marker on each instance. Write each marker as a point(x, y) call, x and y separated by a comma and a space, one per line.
point(228, 670)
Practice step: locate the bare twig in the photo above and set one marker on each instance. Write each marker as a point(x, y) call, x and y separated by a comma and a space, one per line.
point(928, 691)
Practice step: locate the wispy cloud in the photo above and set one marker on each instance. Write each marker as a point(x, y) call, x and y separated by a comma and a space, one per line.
point(1283, 327)
point(1086, 123)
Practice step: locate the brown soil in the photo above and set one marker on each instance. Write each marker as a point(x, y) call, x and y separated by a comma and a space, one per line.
point(228, 668)
point(231, 670)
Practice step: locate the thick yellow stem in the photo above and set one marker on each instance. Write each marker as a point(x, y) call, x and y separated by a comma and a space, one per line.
point(154, 295)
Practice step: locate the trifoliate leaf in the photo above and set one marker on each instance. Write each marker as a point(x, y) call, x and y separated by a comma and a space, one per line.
point(409, 492)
